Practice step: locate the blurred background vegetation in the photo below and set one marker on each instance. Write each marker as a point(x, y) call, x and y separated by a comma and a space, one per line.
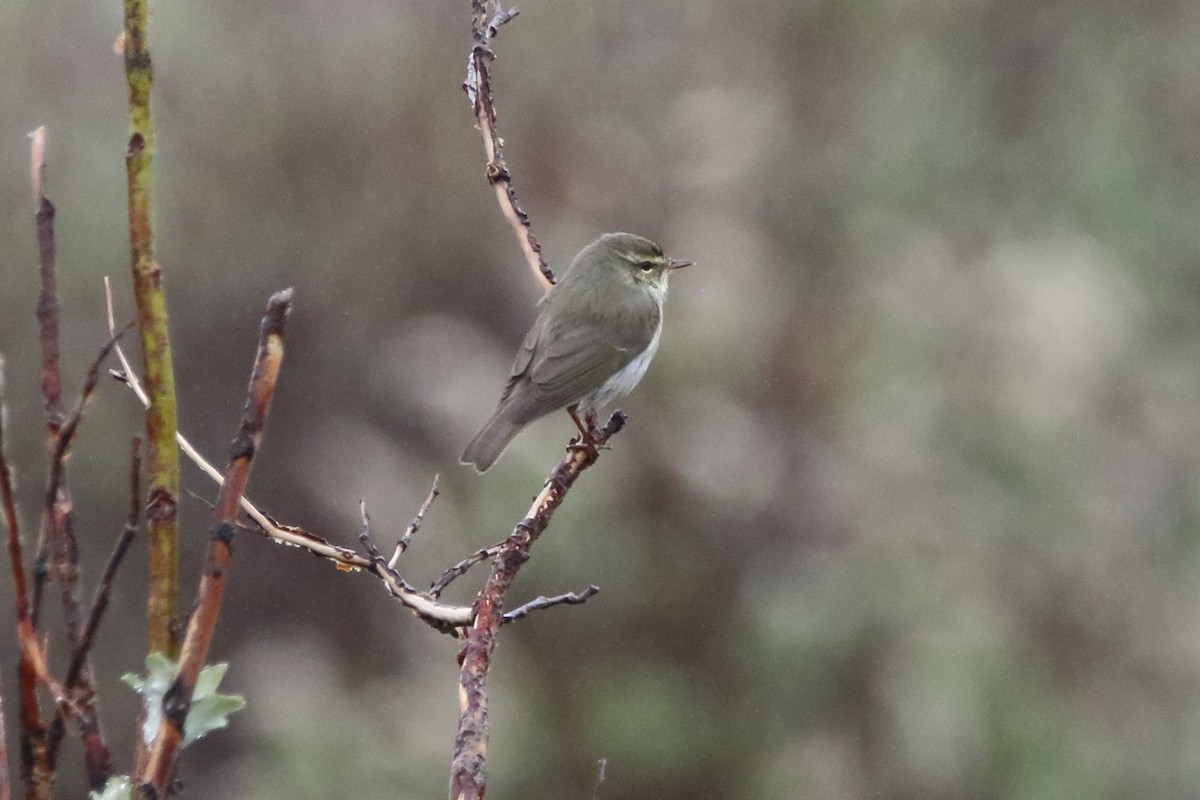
point(907, 506)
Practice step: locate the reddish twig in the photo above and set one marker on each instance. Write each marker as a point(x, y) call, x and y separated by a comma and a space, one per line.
point(47, 315)
point(36, 774)
point(156, 778)
point(47, 309)
point(72, 678)
point(467, 768)
point(486, 20)
point(56, 539)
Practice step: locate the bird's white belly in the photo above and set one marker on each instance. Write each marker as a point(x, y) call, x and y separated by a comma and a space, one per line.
point(623, 381)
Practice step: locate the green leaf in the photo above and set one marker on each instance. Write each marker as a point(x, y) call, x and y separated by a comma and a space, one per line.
point(209, 710)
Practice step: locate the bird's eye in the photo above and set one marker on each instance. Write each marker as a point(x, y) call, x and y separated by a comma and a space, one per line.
point(646, 266)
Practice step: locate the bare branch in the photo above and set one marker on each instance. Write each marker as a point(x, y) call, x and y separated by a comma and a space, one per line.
point(57, 534)
point(68, 702)
point(157, 775)
point(415, 525)
point(461, 568)
point(467, 768)
point(100, 601)
point(36, 773)
point(441, 617)
point(487, 17)
point(162, 462)
point(540, 602)
point(47, 308)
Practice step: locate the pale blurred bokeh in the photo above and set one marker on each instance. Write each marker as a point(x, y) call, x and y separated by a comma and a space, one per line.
point(907, 506)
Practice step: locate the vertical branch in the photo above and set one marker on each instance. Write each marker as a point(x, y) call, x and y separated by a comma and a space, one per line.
point(158, 370)
point(485, 24)
point(36, 773)
point(47, 309)
point(47, 315)
point(77, 695)
point(468, 779)
point(156, 777)
point(57, 534)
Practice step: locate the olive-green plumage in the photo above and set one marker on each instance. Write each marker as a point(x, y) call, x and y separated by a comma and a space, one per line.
point(596, 333)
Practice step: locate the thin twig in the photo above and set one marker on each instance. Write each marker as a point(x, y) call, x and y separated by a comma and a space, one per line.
point(36, 774)
point(157, 777)
point(104, 590)
point(48, 327)
point(74, 690)
point(56, 529)
point(56, 537)
point(458, 570)
point(441, 617)
point(540, 602)
point(468, 779)
point(379, 566)
point(487, 18)
point(364, 536)
point(47, 309)
point(414, 526)
point(157, 365)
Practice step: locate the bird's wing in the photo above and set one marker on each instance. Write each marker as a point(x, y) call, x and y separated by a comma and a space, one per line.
point(574, 366)
point(524, 357)
point(571, 364)
point(560, 364)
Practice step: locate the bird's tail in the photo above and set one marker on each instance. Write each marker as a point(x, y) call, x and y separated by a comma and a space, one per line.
point(489, 443)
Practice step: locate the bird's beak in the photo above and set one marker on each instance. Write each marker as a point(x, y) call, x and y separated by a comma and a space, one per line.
point(673, 264)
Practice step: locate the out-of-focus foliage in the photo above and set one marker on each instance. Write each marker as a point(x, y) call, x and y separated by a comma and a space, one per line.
point(907, 506)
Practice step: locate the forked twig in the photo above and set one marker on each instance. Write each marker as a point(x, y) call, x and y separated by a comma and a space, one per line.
point(72, 678)
point(56, 537)
point(458, 570)
point(442, 617)
point(468, 780)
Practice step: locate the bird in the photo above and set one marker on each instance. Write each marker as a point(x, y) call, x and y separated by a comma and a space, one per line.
point(596, 332)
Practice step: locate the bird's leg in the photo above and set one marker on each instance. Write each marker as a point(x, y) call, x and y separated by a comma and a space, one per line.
point(585, 429)
point(586, 441)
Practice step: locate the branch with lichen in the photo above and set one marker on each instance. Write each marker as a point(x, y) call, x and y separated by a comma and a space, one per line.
point(157, 367)
point(156, 778)
point(467, 768)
